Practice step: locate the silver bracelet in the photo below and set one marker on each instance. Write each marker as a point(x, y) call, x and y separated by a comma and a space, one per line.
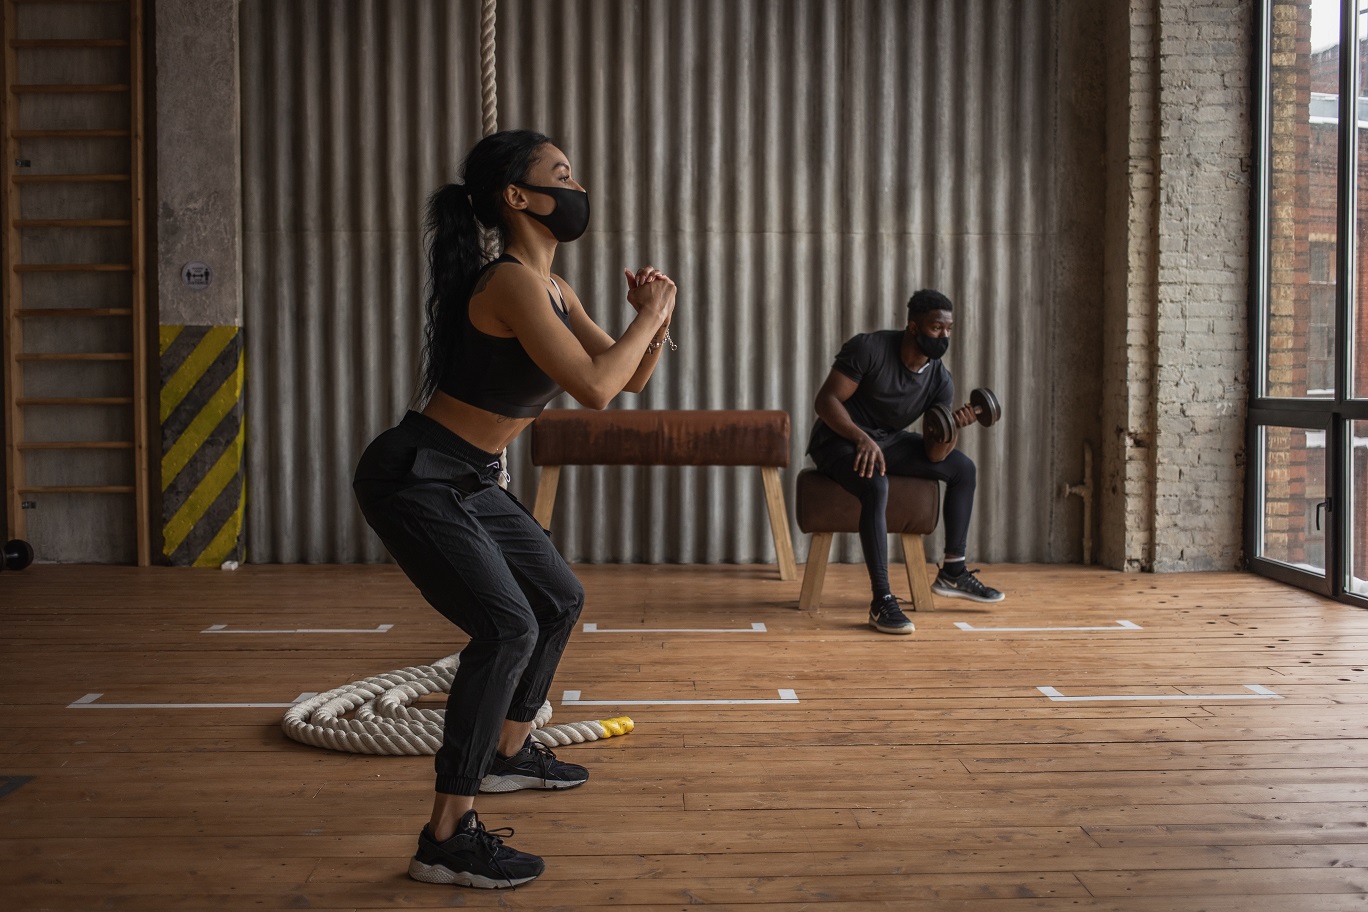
point(654, 347)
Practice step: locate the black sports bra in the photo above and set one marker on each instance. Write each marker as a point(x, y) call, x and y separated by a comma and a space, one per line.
point(495, 373)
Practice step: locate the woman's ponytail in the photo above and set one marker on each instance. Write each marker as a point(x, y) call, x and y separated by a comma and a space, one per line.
point(454, 259)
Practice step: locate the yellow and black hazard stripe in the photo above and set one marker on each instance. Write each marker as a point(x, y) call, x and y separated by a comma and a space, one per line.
point(202, 435)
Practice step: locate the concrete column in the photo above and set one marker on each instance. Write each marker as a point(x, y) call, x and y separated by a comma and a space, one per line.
point(199, 279)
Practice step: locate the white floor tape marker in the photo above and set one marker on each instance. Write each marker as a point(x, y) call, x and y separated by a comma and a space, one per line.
point(1259, 693)
point(223, 628)
point(572, 698)
point(753, 628)
point(1120, 625)
point(88, 702)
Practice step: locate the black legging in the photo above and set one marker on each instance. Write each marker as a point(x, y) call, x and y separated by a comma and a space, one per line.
point(904, 454)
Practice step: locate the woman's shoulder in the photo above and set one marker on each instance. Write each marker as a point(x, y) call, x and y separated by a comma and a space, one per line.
point(505, 278)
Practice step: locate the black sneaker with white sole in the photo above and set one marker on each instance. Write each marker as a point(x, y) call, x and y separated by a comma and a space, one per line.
point(886, 617)
point(535, 767)
point(473, 857)
point(965, 586)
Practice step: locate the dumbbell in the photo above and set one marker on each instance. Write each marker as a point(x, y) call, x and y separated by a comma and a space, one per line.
point(939, 423)
point(17, 555)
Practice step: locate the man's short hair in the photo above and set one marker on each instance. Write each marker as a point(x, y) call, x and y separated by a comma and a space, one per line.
point(925, 301)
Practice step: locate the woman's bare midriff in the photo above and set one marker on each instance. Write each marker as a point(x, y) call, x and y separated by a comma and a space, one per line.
point(479, 428)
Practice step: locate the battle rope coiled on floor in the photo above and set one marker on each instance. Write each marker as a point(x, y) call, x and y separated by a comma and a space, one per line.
point(385, 722)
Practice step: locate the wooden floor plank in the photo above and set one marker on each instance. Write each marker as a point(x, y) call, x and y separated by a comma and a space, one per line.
point(917, 773)
point(1186, 884)
point(341, 859)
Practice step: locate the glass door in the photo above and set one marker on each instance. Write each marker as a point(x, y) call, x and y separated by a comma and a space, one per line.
point(1292, 513)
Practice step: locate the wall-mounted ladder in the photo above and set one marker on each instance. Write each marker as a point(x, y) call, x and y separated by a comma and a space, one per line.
point(75, 321)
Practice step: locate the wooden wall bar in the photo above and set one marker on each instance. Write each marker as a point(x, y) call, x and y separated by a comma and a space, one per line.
point(914, 773)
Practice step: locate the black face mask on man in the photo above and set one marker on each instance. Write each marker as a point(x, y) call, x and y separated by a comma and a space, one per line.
point(934, 347)
point(570, 218)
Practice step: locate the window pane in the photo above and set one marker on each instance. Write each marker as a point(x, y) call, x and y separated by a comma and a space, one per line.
point(1304, 165)
point(1358, 508)
point(1294, 512)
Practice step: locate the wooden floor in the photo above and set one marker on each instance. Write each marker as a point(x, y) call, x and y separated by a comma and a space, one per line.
point(914, 773)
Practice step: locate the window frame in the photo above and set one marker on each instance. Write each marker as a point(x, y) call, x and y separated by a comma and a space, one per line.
point(1334, 414)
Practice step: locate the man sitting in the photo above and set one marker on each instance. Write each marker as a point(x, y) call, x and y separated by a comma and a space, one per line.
point(880, 383)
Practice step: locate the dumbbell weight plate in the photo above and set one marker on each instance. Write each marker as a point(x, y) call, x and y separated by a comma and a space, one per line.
point(986, 403)
point(17, 555)
point(938, 425)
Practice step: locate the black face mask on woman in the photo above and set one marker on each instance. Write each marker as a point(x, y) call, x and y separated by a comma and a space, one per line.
point(934, 347)
point(570, 218)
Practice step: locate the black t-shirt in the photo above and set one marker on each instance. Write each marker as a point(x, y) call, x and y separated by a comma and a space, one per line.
point(889, 397)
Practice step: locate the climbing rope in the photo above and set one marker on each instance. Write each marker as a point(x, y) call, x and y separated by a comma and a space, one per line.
point(489, 113)
point(489, 99)
point(384, 721)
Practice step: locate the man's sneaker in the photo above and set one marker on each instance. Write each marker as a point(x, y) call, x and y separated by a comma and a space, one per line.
point(886, 617)
point(965, 586)
point(532, 767)
point(473, 857)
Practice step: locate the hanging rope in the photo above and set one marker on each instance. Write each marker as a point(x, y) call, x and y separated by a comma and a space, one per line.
point(384, 721)
point(489, 113)
point(489, 99)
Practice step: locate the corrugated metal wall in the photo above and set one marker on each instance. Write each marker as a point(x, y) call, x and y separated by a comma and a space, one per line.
point(798, 166)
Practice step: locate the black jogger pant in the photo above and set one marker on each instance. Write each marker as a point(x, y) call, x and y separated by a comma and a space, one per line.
point(478, 557)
